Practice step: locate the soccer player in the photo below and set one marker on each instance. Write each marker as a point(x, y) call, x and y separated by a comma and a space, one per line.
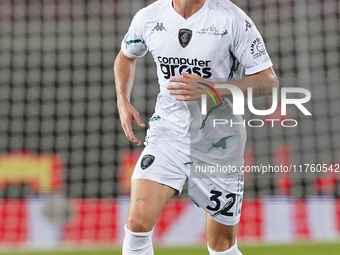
point(211, 39)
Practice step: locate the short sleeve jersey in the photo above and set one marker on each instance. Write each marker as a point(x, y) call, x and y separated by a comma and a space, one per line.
point(218, 42)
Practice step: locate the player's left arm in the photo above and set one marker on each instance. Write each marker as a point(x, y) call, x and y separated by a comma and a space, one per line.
point(262, 83)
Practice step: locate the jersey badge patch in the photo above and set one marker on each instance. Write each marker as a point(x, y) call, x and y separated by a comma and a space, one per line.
point(257, 48)
point(184, 37)
point(147, 161)
point(212, 30)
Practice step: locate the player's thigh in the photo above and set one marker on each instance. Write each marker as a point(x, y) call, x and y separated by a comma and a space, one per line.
point(148, 199)
point(162, 163)
point(219, 236)
point(157, 176)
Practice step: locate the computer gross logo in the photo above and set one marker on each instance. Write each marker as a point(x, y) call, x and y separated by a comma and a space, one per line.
point(173, 66)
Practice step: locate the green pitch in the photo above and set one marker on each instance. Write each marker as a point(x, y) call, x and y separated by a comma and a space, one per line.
point(295, 249)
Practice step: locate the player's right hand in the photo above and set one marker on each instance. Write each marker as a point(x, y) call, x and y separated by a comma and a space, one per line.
point(127, 113)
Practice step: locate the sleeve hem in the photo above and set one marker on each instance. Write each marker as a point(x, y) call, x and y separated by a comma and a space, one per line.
point(126, 53)
point(259, 68)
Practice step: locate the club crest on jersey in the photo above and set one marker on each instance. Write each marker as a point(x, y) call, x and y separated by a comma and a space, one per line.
point(184, 37)
point(147, 161)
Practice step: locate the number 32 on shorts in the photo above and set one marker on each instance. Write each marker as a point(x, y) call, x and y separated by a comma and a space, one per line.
point(231, 199)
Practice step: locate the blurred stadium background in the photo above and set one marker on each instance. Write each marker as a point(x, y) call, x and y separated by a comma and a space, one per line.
point(65, 163)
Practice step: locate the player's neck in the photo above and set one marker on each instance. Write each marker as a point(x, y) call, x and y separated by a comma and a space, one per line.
point(187, 8)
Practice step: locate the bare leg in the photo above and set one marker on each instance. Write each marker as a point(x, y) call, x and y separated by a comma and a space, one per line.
point(220, 237)
point(148, 199)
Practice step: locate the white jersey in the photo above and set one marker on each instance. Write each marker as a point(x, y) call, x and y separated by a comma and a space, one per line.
point(218, 42)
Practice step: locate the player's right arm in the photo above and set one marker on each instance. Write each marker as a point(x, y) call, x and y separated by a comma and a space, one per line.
point(124, 71)
point(133, 46)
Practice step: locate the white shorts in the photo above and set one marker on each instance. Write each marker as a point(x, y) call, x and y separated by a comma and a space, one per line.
point(220, 197)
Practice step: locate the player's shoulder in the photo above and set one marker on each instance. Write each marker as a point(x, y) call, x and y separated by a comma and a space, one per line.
point(227, 9)
point(152, 10)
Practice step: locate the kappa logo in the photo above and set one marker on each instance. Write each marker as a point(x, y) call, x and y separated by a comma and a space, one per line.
point(184, 37)
point(257, 48)
point(147, 161)
point(159, 27)
point(248, 25)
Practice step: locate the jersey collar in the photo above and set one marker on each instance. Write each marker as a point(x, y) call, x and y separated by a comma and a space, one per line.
point(194, 16)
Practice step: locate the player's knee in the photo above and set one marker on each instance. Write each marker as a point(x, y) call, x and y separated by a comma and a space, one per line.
point(138, 224)
point(222, 242)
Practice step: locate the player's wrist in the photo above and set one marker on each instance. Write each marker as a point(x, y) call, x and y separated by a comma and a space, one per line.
point(224, 92)
point(121, 100)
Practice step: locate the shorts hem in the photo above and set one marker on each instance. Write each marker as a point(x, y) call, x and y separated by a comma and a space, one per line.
point(152, 178)
point(227, 223)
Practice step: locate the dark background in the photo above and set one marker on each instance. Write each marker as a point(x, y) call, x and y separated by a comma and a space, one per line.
point(57, 91)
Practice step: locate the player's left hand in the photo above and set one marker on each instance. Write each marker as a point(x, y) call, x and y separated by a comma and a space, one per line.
point(183, 90)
